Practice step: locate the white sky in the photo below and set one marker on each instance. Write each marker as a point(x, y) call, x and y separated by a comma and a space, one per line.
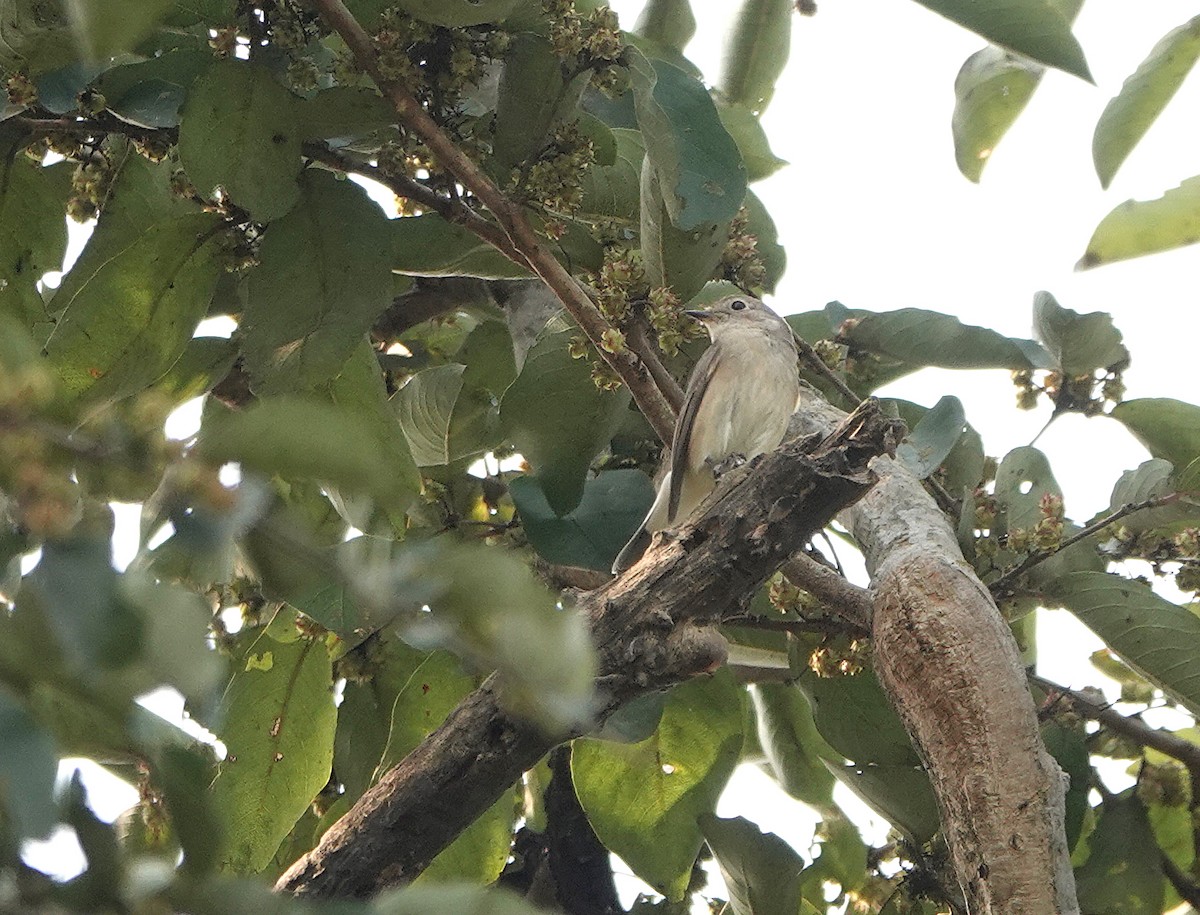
point(873, 213)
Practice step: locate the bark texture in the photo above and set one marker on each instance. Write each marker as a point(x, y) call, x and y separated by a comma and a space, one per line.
point(951, 667)
point(653, 627)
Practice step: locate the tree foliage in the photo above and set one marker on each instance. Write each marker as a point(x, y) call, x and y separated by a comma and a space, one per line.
point(429, 452)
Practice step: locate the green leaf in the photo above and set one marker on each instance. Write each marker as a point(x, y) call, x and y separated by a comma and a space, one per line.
point(760, 224)
point(1038, 29)
point(1153, 479)
point(343, 112)
point(589, 537)
point(278, 722)
point(239, 133)
point(932, 439)
point(1155, 637)
point(309, 439)
point(104, 28)
point(425, 407)
point(28, 766)
point(35, 37)
point(1079, 344)
point(533, 98)
point(1022, 479)
point(428, 245)
point(747, 132)
point(614, 190)
point(854, 716)
point(558, 419)
point(323, 278)
point(1069, 749)
point(793, 747)
point(1143, 97)
point(205, 361)
point(1138, 227)
point(124, 326)
point(682, 260)
point(901, 794)
point(481, 850)
point(75, 588)
point(151, 93)
point(489, 608)
point(359, 389)
point(458, 13)
point(991, 90)
point(1123, 874)
point(929, 338)
point(475, 900)
point(763, 873)
point(643, 799)
point(33, 232)
point(695, 160)
point(1169, 428)
point(183, 776)
point(756, 52)
point(963, 466)
point(131, 303)
point(669, 23)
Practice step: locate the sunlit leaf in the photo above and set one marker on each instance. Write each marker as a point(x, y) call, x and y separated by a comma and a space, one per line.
point(1169, 428)
point(1138, 227)
point(1143, 97)
point(991, 90)
point(278, 721)
point(642, 799)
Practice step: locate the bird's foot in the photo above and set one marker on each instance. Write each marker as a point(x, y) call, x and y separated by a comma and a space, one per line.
point(731, 462)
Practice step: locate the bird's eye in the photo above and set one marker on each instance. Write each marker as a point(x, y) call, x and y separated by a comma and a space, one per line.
point(737, 304)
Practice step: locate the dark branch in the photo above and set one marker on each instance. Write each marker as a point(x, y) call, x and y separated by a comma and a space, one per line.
point(510, 217)
point(1003, 585)
point(653, 627)
point(1135, 729)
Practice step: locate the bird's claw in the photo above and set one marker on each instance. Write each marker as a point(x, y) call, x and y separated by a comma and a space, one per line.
point(730, 462)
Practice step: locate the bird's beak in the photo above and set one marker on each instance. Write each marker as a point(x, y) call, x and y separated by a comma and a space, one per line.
point(699, 314)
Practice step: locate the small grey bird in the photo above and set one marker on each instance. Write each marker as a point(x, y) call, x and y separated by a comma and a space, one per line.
point(738, 401)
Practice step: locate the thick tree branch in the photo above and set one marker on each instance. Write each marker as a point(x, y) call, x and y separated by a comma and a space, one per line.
point(949, 664)
point(509, 215)
point(653, 627)
point(1135, 729)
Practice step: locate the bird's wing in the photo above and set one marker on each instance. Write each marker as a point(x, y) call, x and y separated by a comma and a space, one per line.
point(701, 375)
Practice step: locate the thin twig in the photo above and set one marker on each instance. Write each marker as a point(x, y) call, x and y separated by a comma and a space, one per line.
point(454, 211)
point(511, 218)
point(847, 600)
point(1001, 585)
point(640, 342)
point(809, 357)
point(1135, 729)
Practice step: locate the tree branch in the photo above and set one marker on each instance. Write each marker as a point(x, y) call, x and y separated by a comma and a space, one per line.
point(653, 627)
point(1003, 585)
point(1135, 729)
point(949, 663)
point(510, 217)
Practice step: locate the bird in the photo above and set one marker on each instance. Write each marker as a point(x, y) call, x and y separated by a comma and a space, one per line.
point(737, 404)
